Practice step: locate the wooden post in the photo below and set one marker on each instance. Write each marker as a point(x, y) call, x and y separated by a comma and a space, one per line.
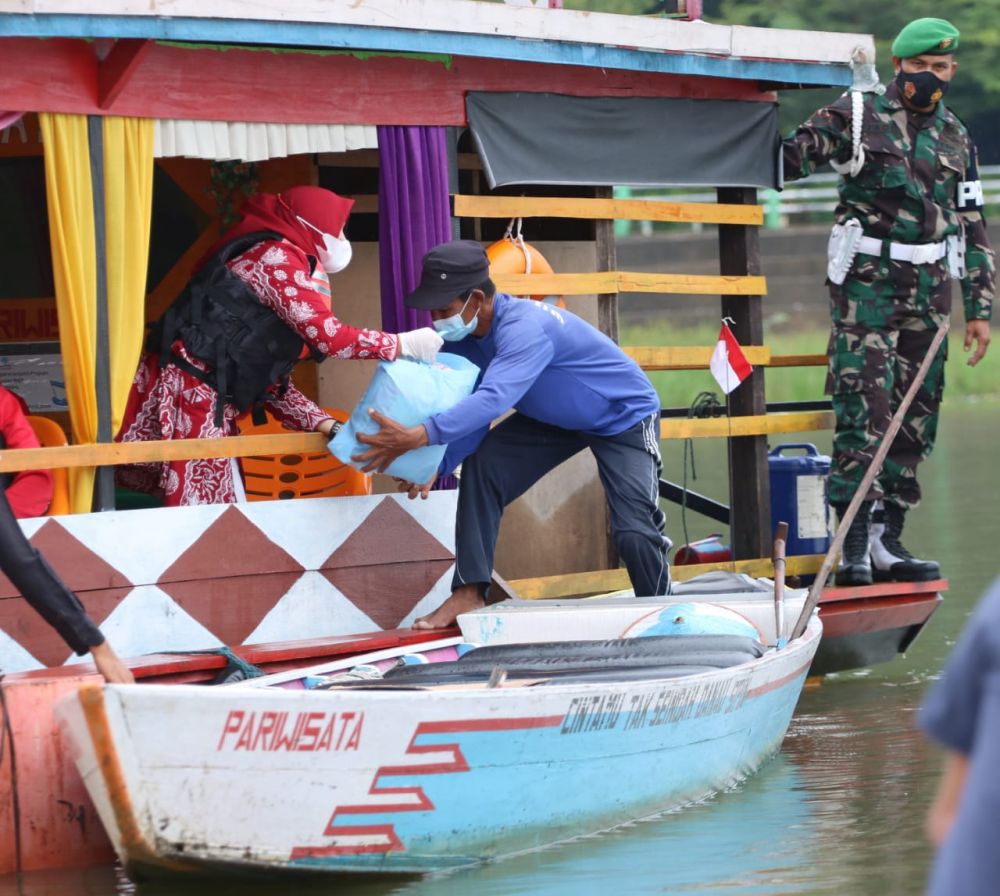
point(749, 486)
point(452, 136)
point(607, 320)
point(104, 496)
point(607, 260)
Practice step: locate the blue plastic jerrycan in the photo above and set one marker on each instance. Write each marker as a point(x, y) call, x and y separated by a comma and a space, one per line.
point(799, 497)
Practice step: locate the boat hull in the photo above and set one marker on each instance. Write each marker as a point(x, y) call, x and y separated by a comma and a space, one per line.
point(872, 624)
point(409, 781)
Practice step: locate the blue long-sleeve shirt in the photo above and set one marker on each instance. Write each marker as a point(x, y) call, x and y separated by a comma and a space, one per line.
point(550, 365)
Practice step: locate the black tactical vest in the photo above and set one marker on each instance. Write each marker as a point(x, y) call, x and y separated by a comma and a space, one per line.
point(221, 321)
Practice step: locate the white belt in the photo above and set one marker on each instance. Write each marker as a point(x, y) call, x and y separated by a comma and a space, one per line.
point(922, 253)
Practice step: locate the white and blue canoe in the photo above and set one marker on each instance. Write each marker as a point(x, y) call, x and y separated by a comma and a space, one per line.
point(542, 723)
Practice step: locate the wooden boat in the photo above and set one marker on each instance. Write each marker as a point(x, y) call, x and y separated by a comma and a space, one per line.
point(436, 767)
point(871, 624)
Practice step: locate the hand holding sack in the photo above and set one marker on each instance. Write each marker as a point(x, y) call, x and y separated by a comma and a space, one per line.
point(409, 393)
point(420, 345)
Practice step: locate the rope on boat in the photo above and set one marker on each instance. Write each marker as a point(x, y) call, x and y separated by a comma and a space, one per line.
point(236, 669)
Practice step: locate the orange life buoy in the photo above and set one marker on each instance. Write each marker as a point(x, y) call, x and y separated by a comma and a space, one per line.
point(512, 255)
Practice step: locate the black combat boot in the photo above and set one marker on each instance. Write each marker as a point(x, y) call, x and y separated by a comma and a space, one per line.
point(891, 562)
point(855, 566)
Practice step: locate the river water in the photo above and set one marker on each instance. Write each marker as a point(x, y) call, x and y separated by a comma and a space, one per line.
point(839, 811)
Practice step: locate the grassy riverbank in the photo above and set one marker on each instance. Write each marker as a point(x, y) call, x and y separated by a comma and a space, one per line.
point(679, 388)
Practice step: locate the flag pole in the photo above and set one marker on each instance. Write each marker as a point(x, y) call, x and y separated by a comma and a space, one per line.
point(726, 321)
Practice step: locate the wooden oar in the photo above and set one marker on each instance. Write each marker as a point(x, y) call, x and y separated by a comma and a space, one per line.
point(866, 482)
point(778, 558)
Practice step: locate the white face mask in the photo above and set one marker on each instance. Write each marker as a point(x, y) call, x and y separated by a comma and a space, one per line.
point(334, 254)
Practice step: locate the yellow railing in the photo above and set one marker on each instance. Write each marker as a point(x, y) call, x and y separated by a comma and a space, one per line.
point(582, 584)
point(103, 455)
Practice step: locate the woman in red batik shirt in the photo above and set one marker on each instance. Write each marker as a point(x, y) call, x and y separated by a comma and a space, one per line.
point(302, 232)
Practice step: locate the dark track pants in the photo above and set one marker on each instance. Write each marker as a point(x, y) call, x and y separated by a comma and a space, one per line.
point(520, 451)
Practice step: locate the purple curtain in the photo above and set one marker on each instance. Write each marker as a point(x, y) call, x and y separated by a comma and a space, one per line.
point(413, 215)
point(9, 118)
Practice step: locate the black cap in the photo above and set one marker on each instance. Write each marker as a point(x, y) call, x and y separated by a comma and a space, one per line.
point(449, 270)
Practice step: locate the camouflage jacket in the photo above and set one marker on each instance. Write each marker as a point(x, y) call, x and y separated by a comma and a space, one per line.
point(906, 191)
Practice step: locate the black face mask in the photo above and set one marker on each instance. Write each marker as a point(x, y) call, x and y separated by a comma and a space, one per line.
point(921, 89)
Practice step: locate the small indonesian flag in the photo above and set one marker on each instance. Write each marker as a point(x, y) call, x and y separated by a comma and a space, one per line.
point(729, 365)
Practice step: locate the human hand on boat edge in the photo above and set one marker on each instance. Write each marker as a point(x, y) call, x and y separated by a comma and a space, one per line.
point(413, 489)
point(977, 331)
point(109, 665)
point(392, 440)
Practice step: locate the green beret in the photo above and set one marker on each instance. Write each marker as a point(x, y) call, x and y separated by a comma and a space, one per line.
point(934, 37)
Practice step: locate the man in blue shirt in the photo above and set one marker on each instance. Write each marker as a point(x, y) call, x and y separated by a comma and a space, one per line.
point(571, 388)
point(962, 713)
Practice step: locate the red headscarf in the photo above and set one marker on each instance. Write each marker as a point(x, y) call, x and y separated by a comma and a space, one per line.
point(322, 208)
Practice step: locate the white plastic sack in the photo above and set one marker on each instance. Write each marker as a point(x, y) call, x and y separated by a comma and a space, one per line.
point(408, 392)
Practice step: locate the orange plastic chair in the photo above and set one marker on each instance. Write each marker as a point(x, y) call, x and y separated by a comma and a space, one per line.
point(50, 434)
point(308, 475)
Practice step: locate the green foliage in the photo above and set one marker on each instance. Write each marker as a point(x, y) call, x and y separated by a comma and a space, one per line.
point(975, 89)
point(232, 183)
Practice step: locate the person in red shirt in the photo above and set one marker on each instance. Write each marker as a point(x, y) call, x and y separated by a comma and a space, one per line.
point(29, 492)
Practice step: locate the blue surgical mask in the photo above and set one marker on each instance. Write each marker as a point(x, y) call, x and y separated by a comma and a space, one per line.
point(454, 329)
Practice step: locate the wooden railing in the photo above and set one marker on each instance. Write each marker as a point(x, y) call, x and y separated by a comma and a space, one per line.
point(584, 584)
point(466, 206)
point(616, 282)
point(105, 455)
point(627, 281)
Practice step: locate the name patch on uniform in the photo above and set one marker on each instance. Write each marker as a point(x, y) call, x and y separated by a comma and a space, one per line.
point(970, 194)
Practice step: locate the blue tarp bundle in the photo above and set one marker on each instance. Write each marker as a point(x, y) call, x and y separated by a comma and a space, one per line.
point(408, 392)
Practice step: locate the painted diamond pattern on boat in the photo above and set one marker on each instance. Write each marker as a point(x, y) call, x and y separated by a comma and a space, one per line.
point(433, 599)
point(78, 566)
point(234, 606)
point(388, 531)
point(312, 530)
point(42, 641)
point(230, 546)
point(223, 573)
point(123, 538)
point(387, 592)
point(231, 577)
point(165, 625)
point(312, 608)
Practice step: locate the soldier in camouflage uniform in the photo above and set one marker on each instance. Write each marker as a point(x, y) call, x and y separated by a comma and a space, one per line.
point(917, 185)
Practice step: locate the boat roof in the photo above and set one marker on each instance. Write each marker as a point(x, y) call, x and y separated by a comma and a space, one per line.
point(460, 28)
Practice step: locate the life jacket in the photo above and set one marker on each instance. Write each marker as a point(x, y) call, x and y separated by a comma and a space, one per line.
point(221, 321)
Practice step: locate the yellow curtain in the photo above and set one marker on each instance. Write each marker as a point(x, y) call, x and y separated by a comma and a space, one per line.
point(71, 232)
point(128, 172)
point(128, 197)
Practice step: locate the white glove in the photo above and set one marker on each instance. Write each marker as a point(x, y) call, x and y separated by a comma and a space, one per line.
point(421, 345)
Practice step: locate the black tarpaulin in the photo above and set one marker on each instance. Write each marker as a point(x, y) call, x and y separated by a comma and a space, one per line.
point(545, 138)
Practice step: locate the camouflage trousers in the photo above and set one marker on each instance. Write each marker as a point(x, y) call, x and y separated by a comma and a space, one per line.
point(884, 317)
